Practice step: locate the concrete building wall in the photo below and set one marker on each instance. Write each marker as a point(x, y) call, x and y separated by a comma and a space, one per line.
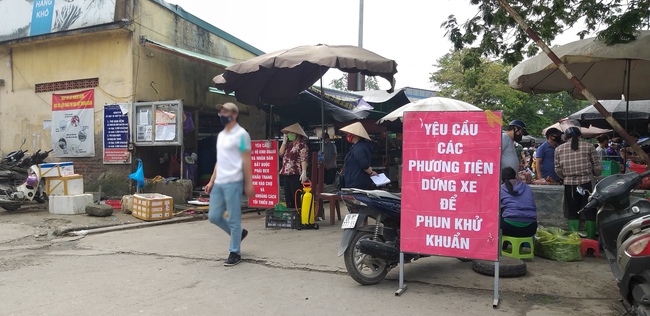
point(103, 55)
point(127, 70)
point(175, 77)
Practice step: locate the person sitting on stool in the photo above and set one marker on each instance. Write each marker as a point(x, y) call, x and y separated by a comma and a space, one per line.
point(518, 210)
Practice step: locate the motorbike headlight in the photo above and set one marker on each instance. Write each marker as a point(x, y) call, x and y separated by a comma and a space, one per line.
point(639, 247)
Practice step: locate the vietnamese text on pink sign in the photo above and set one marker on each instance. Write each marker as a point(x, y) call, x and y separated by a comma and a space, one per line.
point(450, 185)
point(264, 160)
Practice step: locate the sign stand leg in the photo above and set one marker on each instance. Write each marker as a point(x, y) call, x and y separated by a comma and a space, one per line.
point(402, 286)
point(495, 303)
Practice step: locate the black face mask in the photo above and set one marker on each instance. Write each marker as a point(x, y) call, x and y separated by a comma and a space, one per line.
point(518, 137)
point(225, 119)
point(557, 139)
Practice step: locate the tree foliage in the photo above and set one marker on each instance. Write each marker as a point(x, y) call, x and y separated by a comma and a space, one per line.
point(492, 32)
point(465, 75)
point(342, 83)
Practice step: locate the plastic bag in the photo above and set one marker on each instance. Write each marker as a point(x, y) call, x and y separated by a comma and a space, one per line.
point(557, 244)
point(338, 180)
point(138, 175)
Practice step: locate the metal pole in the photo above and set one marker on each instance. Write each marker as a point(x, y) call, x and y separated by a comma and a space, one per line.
point(576, 82)
point(360, 85)
point(402, 286)
point(322, 113)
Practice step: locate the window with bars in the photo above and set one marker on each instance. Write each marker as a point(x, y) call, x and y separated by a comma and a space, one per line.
point(67, 85)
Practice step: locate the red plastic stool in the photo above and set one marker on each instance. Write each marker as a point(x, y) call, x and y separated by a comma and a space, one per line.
point(590, 244)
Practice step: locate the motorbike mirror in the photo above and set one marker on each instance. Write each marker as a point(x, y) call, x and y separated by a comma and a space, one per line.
point(582, 191)
point(22, 142)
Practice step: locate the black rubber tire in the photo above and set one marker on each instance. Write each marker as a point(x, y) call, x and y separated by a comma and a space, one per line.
point(41, 199)
point(642, 310)
point(10, 207)
point(349, 258)
point(508, 267)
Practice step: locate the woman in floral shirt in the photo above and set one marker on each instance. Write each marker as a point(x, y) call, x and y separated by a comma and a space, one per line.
point(294, 154)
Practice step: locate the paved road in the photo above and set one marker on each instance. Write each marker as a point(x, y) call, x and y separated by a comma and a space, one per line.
point(177, 269)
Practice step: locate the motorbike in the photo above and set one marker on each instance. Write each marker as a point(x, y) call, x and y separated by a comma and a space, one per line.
point(623, 225)
point(20, 181)
point(370, 243)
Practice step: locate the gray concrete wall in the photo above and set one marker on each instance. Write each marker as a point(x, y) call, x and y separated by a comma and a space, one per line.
point(548, 199)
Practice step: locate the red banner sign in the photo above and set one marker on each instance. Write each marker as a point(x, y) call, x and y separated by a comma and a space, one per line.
point(450, 184)
point(264, 157)
point(73, 101)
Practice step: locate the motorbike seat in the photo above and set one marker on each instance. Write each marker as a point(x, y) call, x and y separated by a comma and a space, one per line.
point(375, 193)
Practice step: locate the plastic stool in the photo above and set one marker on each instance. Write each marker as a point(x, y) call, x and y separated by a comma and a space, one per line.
point(590, 244)
point(333, 200)
point(517, 244)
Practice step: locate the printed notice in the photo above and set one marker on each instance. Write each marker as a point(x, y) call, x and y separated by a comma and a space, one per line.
point(116, 135)
point(450, 184)
point(264, 158)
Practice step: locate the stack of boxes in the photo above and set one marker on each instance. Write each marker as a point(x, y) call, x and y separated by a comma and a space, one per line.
point(64, 188)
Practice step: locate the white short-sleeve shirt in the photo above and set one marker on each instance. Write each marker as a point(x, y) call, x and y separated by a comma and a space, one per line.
point(230, 146)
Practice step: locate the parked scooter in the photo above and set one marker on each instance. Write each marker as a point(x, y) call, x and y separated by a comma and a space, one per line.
point(370, 243)
point(624, 229)
point(20, 181)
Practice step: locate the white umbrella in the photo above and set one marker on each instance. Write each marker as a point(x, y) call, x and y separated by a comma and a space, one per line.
point(437, 104)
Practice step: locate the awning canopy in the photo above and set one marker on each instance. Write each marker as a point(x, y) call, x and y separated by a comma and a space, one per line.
point(204, 59)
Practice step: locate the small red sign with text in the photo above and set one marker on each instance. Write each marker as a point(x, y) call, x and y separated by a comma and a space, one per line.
point(450, 184)
point(264, 158)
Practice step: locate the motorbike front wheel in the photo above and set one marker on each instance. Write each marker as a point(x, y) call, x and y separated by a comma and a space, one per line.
point(363, 268)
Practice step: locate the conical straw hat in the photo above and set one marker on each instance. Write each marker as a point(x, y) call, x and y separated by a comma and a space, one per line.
point(294, 128)
point(356, 129)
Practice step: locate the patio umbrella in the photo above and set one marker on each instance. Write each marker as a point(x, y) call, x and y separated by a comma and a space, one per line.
point(278, 77)
point(608, 71)
point(637, 114)
point(429, 104)
point(587, 132)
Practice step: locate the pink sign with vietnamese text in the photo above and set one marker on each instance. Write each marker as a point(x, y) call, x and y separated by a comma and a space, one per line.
point(450, 184)
point(264, 160)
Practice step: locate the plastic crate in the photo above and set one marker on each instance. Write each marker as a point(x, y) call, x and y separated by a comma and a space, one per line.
point(610, 167)
point(281, 219)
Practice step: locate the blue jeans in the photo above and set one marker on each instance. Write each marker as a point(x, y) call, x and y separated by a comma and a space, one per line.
point(227, 197)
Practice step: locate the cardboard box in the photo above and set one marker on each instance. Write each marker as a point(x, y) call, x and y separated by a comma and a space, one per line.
point(152, 206)
point(65, 185)
point(70, 204)
point(58, 169)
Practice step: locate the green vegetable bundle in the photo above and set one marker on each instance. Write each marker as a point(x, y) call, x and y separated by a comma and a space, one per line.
point(556, 244)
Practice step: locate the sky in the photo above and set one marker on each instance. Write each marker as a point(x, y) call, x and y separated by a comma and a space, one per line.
point(407, 31)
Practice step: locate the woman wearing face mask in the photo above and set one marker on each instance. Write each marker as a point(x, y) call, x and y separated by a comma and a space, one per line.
point(356, 168)
point(577, 163)
point(294, 154)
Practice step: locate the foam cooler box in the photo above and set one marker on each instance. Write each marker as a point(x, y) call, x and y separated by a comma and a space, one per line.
point(152, 206)
point(58, 169)
point(65, 185)
point(70, 204)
